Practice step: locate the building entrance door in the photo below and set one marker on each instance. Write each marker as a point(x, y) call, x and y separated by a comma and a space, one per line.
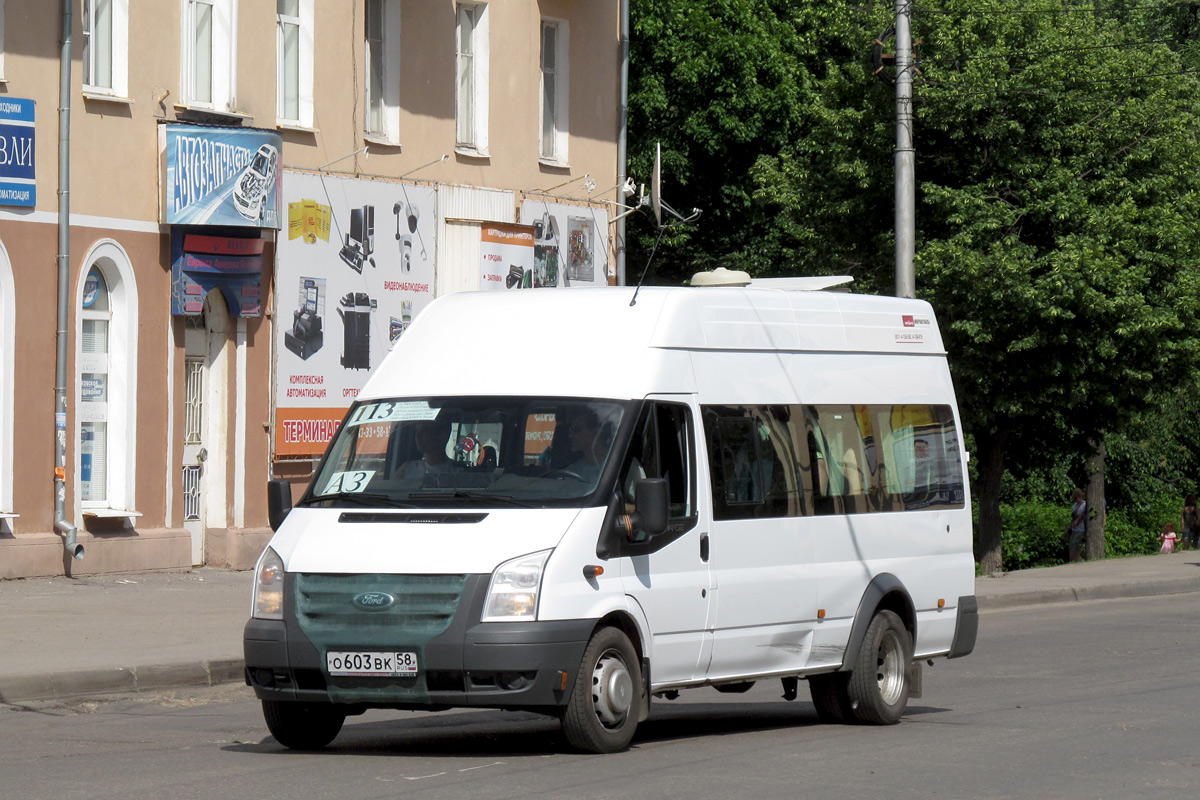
point(204, 452)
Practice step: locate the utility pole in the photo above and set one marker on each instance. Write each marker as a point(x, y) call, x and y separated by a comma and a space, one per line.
point(905, 155)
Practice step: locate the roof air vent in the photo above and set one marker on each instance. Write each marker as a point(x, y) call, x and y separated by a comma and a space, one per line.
point(721, 277)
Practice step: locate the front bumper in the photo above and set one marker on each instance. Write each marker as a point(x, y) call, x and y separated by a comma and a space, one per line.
point(525, 665)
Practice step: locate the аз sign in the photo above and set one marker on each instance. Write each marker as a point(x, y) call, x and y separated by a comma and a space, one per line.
point(18, 184)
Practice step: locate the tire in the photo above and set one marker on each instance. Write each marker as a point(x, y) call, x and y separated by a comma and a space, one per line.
point(603, 710)
point(878, 686)
point(302, 726)
point(831, 696)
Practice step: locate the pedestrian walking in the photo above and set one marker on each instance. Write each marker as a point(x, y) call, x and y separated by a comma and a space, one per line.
point(1190, 523)
point(1077, 526)
point(1167, 537)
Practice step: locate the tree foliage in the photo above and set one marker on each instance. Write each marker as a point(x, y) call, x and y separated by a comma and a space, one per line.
point(1058, 173)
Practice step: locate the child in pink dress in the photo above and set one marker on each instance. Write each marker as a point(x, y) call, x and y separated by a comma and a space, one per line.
point(1168, 538)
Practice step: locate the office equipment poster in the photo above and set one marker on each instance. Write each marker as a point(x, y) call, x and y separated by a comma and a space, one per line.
point(506, 253)
point(220, 176)
point(355, 269)
point(570, 242)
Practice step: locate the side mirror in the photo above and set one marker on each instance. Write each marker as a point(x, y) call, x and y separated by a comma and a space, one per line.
point(651, 500)
point(279, 501)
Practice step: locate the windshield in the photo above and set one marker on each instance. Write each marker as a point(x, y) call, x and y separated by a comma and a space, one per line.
point(474, 452)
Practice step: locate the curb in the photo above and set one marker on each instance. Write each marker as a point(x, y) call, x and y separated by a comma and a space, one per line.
point(118, 680)
point(1079, 594)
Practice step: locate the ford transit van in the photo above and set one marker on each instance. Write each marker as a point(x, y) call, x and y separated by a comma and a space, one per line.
point(594, 500)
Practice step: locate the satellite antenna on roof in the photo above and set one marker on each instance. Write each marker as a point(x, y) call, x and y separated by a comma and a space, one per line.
point(657, 206)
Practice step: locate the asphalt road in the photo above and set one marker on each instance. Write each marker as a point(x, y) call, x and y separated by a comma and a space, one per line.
point(1082, 700)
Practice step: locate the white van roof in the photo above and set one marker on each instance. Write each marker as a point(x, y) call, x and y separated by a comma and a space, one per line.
point(592, 342)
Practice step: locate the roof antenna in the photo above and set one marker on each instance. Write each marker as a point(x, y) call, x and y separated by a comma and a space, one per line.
point(657, 206)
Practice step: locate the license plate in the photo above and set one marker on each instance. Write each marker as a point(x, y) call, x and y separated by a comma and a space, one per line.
point(371, 664)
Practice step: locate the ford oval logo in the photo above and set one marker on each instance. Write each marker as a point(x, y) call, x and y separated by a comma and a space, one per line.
point(374, 601)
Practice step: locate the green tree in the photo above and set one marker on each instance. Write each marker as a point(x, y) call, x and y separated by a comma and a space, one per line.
point(1060, 180)
point(726, 84)
point(1058, 190)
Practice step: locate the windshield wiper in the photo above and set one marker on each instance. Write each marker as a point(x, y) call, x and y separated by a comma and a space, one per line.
point(502, 499)
point(365, 499)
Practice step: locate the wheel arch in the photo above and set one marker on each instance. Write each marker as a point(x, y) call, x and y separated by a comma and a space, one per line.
point(885, 592)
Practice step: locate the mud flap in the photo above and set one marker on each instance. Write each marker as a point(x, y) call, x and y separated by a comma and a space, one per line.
point(914, 680)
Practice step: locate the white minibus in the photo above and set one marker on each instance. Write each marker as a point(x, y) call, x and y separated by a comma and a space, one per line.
point(581, 502)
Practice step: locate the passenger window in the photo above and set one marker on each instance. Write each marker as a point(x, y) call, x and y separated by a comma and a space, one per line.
point(754, 466)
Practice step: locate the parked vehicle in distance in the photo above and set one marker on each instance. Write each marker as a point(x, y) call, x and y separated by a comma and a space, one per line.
point(255, 183)
point(601, 503)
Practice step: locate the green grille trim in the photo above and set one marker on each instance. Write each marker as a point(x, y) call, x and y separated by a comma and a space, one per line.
point(424, 608)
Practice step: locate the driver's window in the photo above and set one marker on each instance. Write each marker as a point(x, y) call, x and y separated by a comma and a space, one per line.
point(662, 448)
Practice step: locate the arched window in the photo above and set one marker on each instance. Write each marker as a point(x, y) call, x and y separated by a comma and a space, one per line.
point(105, 365)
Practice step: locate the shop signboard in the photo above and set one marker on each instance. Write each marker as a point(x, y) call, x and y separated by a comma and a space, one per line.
point(507, 258)
point(200, 263)
point(18, 184)
point(221, 176)
point(355, 269)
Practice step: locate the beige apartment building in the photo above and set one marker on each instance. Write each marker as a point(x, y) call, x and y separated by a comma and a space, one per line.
point(257, 200)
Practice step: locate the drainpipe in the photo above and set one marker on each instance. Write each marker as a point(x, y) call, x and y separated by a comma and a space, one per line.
point(623, 123)
point(69, 532)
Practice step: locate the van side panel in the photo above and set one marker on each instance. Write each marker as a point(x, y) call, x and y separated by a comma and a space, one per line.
point(782, 574)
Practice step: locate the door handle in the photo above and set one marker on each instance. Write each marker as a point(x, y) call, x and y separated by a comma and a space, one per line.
point(704, 547)
point(202, 456)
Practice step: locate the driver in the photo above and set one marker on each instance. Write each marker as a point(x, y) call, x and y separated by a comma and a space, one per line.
point(431, 437)
point(588, 444)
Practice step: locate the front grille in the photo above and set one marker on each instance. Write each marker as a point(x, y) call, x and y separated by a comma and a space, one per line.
point(424, 607)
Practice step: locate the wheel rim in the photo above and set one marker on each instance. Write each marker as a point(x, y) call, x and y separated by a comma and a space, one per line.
point(612, 689)
point(889, 668)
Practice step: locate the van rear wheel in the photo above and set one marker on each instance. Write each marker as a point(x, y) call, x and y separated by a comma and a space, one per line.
point(878, 687)
point(602, 712)
point(302, 726)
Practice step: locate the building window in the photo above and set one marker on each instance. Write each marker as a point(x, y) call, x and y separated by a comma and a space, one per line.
point(209, 39)
point(294, 46)
point(554, 92)
point(471, 89)
point(105, 47)
point(93, 389)
point(381, 56)
point(105, 358)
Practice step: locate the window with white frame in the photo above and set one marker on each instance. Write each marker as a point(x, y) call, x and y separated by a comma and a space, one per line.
point(294, 48)
point(471, 89)
point(381, 56)
point(106, 47)
point(105, 358)
point(554, 81)
point(208, 46)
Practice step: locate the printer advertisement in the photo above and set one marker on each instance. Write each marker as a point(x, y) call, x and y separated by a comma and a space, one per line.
point(355, 269)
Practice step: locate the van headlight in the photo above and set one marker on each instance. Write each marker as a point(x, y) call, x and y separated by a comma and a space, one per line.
point(513, 592)
point(268, 587)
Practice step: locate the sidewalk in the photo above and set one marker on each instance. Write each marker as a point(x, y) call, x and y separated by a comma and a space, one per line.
point(68, 637)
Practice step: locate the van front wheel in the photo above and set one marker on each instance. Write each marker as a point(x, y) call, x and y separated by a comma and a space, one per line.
point(878, 686)
point(602, 712)
point(302, 726)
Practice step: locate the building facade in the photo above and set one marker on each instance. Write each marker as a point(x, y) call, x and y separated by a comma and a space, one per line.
point(262, 196)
